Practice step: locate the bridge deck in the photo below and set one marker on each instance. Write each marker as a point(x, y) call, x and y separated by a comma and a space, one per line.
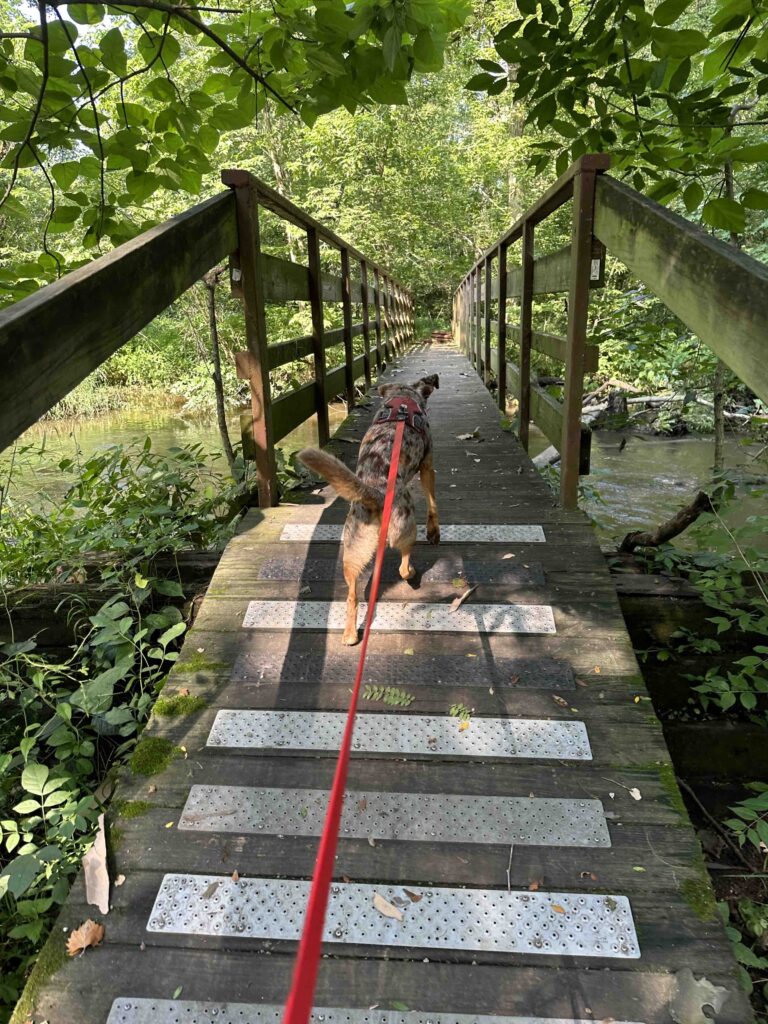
point(541, 857)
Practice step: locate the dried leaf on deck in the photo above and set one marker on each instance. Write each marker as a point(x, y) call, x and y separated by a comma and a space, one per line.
point(559, 701)
point(558, 909)
point(235, 875)
point(211, 890)
point(534, 886)
point(386, 908)
point(362, 804)
point(414, 897)
point(635, 793)
point(88, 934)
point(96, 873)
point(459, 601)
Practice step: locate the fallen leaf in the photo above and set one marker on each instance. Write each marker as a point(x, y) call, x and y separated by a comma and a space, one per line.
point(635, 793)
point(463, 726)
point(371, 841)
point(471, 655)
point(386, 908)
point(598, 670)
point(346, 878)
point(558, 909)
point(611, 903)
point(638, 868)
point(408, 650)
point(96, 873)
point(178, 991)
point(152, 788)
point(514, 680)
point(589, 874)
point(458, 582)
point(88, 934)
point(235, 875)
point(637, 700)
point(508, 555)
point(559, 701)
point(169, 824)
point(362, 804)
point(580, 682)
point(200, 650)
point(211, 890)
point(534, 886)
point(457, 602)
point(414, 897)
point(184, 691)
point(120, 880)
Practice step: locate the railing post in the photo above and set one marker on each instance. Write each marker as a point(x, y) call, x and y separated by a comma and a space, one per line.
point(526, 327)
point(576, 338)
point(318, 332)
point(487, 312)
point(377, 316)
point(501, 338)
point(478, 320)
point(366, 322)
point(346, 309)
point(247, 282)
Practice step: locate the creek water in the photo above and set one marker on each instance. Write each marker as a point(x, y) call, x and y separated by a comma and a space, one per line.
point(633, 488)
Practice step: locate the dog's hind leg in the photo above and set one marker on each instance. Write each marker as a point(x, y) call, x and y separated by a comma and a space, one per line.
point(351, 573)
point(427, 477)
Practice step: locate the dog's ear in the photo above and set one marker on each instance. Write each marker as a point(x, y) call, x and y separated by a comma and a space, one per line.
point(386, 389)
point(432, 379)
point(426, 385)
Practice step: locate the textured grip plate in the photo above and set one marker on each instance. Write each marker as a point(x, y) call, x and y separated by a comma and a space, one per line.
point(471, 533)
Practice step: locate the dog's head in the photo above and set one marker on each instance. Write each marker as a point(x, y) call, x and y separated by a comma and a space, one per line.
point(419, 392)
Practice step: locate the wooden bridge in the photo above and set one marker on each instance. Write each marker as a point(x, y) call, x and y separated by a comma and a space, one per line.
point(514, 847)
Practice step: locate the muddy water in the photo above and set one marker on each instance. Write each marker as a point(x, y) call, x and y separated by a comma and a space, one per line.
point(637, 487)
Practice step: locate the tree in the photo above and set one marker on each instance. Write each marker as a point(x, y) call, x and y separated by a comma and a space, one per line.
point(109, 104)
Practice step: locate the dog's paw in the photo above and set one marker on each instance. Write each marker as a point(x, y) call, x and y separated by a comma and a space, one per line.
point(433, 534)
point(349, 639)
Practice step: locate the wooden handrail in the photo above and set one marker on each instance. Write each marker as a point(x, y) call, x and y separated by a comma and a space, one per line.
point(51, 340)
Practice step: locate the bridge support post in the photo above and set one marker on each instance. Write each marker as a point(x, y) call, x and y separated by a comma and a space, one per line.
point(318, 334)
point(246, 280)
point(501, 332)
point(526, 329)
point(365, 299)
point(576, 338)
point(487, 320)
point(377, 317)
point(346, 309)
point(478, 321)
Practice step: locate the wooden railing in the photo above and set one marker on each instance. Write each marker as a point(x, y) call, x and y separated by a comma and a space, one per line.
point(718, 292)
point(52, 340)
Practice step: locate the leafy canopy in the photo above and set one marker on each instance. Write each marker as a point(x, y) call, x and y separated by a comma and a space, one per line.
point(662, 90)
point(110, 105)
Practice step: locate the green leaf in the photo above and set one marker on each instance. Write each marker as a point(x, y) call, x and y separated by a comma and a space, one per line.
point(680, 76)
point(726, 214)
point(86, 14)
point(391, 46)
point(27, 807)
point(751, 154)
point(667, 42)
point(755, 199)
point(20, 874)
point(480, 83)
point(33, 779)
point(171, 634)
point(112, 46)
point(693, 196)
point(170, 588)
point(669, 11)
point(65, 173)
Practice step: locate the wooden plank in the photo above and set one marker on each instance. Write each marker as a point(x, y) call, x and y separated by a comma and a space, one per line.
point(554, 346)
point(291, 410)
point(258, 436)
point(487, 322)
point(289, 351)
point(377, 317)
point(284, 281)
point(365, 298)
point(720, 293)
point(501, 331)
point(318, 329)
point(52, 340)
point(336, 379)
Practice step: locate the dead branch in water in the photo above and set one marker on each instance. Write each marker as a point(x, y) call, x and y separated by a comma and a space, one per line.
point(671, 528)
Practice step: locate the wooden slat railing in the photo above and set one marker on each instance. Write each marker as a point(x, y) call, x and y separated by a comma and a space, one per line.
point(52, 340)
point(718, 292)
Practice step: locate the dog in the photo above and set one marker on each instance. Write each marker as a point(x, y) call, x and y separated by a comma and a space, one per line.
point(365, 489)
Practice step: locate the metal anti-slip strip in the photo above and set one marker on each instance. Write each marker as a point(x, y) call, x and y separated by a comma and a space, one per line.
point(418, 817)
point(403, 617)
point(427, 735)
point(552, 923)
point(463, 533)
point(192, 1011)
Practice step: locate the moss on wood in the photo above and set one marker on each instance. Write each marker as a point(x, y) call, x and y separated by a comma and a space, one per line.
point(179, 704)
point(152, 755)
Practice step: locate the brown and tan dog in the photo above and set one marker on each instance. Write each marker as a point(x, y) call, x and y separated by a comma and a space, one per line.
point(365, 489)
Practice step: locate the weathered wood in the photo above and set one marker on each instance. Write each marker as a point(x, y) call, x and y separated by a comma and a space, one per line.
point(720, 293)
point(554, 346)
point(346, 299)
point(52, 340)
point(291, 410)
point(487, 322)
point(571, 448)
point(526, 326)
point(318, 329)
point(501, 330)
point(547, 414)
point(377, 318)
point(365, 298)
point(284, 281)
point(246, 272)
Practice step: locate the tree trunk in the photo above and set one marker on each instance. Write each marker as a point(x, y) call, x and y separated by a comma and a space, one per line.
point(210, 280)
point(721, 374)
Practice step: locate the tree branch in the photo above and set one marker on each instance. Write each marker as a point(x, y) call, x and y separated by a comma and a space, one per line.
point(671, 528)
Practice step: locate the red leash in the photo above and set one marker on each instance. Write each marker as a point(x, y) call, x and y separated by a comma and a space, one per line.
point(299, 1005)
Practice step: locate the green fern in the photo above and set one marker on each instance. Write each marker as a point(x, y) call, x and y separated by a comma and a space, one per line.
point(390, 695)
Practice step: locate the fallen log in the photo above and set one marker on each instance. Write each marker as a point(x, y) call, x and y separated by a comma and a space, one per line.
point(671, 528)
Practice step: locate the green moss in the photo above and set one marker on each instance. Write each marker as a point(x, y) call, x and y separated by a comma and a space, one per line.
point(132, 808)
point(114, 838)
point(152, 755)
point(197, 663)
point(50, 959)
point(665, 773)
point(179, 704)
point(697, 893)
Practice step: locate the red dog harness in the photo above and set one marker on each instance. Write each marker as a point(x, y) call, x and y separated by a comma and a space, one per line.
point(402, 408)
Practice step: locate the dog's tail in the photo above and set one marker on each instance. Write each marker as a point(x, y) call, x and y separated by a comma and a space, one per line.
point(342, 479)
